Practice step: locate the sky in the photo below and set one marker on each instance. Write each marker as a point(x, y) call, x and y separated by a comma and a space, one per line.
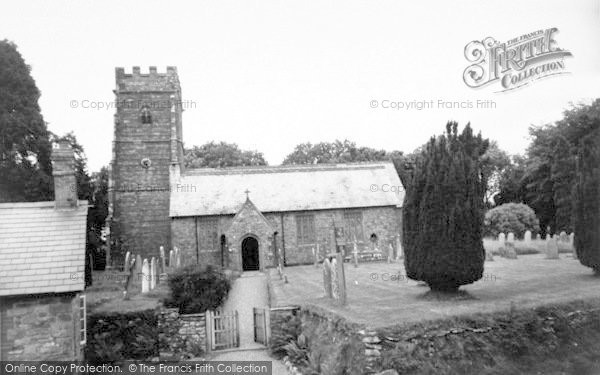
point(269, 75)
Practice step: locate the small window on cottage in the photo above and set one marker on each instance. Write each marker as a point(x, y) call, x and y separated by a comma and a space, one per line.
point(82, 320)
point(305, 229)
point(145, 115)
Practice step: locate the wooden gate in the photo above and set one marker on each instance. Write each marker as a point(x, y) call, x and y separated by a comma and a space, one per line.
point(260, 325)
point(224, 329)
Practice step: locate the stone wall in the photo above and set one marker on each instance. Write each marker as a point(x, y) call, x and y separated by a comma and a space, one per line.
point(40, 327)
point(181, 336)
point(384, 222)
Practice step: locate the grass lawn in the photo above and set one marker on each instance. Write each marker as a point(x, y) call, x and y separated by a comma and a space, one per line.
point(379, 294)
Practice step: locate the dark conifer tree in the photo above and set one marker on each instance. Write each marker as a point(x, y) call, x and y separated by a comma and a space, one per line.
point(443, 211)
point(587, 198)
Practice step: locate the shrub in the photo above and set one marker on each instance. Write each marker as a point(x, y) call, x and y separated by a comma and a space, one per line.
point(116, 337)
point(587, 198)
point(443, 211)
point(289, 328)
point(510, 217)
point(195, 289)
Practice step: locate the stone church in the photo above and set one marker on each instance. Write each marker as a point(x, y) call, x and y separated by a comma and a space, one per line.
point(243, 218)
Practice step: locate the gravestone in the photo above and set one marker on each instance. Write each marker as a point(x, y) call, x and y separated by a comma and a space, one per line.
point(177, 257)
point(163, 264)
point(501, 239)
point(527, 237)
point(537, 237)
point(171, 259)
point(153, 273)
point(489, 257)
point(145, 277)
point(138, 267)
point(508, 251)
point(339, 281)
point(552, 248)
point(127, 262)
point(510, 237)
point(572, 238)
point(327, 277)
point(563, 237)
point(399, 252)
point(390, 253)
point(355, 254)
point(130, 269)
point(335, 282)
point(315, 261)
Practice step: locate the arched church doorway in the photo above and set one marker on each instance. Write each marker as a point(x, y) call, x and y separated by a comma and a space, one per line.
point(250, 258)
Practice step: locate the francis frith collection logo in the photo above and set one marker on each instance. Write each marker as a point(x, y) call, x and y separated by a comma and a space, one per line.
point(514, 63)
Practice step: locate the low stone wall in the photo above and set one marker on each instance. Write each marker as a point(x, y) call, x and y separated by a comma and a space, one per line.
point(181, 336)
point(335, 344)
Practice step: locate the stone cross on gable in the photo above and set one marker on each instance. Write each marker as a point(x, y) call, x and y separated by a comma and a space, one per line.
point(247, 192)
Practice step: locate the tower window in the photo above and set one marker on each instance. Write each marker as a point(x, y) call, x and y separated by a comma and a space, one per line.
point(146, 116)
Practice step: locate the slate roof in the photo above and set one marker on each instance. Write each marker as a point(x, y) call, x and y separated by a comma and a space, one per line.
point(42, 249)
point(220, 191)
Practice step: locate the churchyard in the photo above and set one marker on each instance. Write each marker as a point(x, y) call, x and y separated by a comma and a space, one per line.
point(380, 294)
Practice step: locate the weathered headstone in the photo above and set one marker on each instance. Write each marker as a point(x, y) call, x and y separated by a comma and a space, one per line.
point(177, 257)
point(335, 283)
point(315, 261)
point(340, 279)
point(127, 262)
point(153, 273)
point(171, 259)
point(563, 237)
point(537, 237)
point(489, 257)
point(510, 237)
point(508, 251)
point(399, 252)
point(552, 248)
point(390, 253)
point(145, 277)
point(327, 278)
point(138, 267)
point(163, 263)
point(130, 269)
point(501, 239)
point(355, 254)
point(572, 238)
point(527, 236)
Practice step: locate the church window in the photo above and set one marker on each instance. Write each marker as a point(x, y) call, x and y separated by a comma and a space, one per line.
point(146, 116)
point(305, 229)
point(208, 236)
point(353, 226)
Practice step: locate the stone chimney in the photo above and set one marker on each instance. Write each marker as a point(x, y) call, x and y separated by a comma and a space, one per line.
point(63, 171)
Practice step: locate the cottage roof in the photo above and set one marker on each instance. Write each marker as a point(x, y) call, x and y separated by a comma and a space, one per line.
point(42, 249)
point(220, 191)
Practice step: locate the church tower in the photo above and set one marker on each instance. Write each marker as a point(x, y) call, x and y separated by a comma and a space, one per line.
point(147, 148)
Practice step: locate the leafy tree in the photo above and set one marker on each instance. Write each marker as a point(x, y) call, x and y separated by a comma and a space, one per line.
point(510, 184)
point(336, 152)
point(222, 154)
point(24, 140)
point(493, 164)
point(443, 211)
point(510, 217)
